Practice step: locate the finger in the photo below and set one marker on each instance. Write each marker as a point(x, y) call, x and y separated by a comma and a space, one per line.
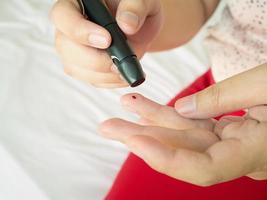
point(202, 169)
point(121, 130)
point(247, 130)
point(131, 15)
point(224, 122)
point(67, 17)
point(242, 91)
point(259, 113)
point(161, 115)
point(146, 122)
point(84, 56)
point(176, 163)
point(92, 77)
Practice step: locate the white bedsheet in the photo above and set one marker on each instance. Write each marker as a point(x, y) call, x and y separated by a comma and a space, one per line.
point(49, 146)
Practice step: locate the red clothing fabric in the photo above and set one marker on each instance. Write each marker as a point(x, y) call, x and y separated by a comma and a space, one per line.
point(137, 181)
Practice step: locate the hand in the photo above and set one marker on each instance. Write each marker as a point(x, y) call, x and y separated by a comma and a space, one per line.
point(206, 153)
point(243, 91)
point(81, 43)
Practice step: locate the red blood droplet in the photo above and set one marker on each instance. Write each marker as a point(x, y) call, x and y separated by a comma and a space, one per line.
point(134, 97)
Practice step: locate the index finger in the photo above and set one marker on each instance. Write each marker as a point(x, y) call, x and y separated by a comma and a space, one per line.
point(67, 17)
point(162, 115)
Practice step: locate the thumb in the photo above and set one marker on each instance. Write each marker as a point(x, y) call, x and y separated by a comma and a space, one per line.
point(131, 14)
point(238, 92)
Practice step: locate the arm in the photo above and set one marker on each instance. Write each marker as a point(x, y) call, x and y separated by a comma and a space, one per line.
point(182, 20)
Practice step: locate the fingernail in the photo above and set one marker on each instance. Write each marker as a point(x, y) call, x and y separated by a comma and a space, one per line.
point(130, 19)
point(186, 105)
point(98, 40)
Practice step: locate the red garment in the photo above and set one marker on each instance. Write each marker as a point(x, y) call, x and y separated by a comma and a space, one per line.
point(137, 181)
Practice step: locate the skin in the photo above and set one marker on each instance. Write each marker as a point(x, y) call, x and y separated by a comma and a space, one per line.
point(200, 150)
point(189, 146)
point(150, 26)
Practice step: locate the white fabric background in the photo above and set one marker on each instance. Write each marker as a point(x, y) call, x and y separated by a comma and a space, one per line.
point(49, 146)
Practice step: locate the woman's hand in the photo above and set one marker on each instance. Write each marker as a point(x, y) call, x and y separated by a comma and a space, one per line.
point(242, 91)
point(81, 43)
point(202, 152)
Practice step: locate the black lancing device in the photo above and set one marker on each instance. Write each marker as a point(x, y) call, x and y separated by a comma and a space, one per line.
point(120, 51)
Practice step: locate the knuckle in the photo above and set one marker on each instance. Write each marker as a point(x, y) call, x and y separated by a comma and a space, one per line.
point(56, 10)
point(79, 32)
point(215, 96)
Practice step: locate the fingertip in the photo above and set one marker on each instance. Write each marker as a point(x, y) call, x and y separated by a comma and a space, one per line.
point(68, 19)
point(107, 126)
point(131, 102)
point(128, 21)
point(103, 128)
point(129, 98)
